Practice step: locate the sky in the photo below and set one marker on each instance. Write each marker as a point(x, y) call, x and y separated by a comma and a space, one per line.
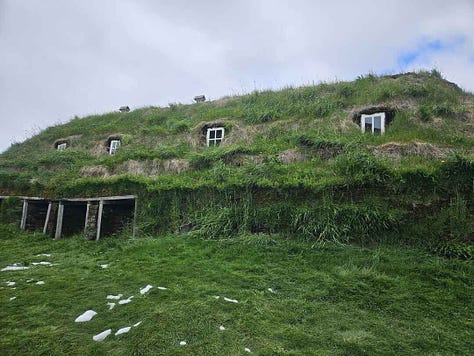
point(60, 59)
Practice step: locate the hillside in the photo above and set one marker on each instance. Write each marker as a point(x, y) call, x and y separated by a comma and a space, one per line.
point(433, 118)
point(292, 298)
point(291, 161)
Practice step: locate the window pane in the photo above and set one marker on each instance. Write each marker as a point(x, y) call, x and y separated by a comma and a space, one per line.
point(377, 124)
point(212, 134)
point(218, 142)
point(218, 133)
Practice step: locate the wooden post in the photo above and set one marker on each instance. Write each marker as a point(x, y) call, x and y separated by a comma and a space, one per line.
point(24, 214)
point(99, 218)
point(46, 221)
point(134, 218)
point(59, 222)
point(87, 216)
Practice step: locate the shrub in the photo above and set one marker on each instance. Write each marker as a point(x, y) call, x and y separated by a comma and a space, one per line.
point(342, 223)
point(10, 210)
point(360, 166)
point(424, 113)
point(452, 249)
point(181, 126)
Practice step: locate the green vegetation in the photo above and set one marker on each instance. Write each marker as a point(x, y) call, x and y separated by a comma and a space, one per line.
point(294, 161)
point(264, 124)
point(365, 239)
point(327, 300)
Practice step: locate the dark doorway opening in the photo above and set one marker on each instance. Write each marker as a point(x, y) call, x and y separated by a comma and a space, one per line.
point(36, 215)
point(74, 218)
point(116, 216)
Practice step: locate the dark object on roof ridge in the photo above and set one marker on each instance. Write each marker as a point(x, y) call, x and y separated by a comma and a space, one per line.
point(124, 109)
point(199, 98)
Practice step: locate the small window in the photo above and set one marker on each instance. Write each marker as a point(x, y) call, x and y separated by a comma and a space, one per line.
point(214, 136)
point(374, 123)
point(61, 146)
point(114, 146)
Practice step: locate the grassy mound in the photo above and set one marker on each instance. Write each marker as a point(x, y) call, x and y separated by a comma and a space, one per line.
point(329, 300)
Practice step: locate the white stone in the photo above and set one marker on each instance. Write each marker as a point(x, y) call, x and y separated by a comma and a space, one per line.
point(231, 300)
point(125, 301)
point(222, 328)
point(42, 263)
point(111, 305)
point(86, 316)
point(123, 330)
point(182, 343)
point(102, 335)
point(146, 289)
point(14, 268)
point(40, 283)
point(116, 297)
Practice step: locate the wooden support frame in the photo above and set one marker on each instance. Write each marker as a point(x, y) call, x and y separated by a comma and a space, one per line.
point(135, 210)
point(24, 214)
point(55, 211)
point(59, 221)
point(99, 219)
point(87, 216)
point(46, 221)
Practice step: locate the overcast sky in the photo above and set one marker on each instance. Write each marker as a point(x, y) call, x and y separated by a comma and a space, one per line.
point(64, 58)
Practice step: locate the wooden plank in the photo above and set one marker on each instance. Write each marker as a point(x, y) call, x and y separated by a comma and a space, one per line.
point(59, 222)
point(24, 215)
point(99, 219)
point(134, 218)
point(46, 221)
point(87, 216)
point(118, 197)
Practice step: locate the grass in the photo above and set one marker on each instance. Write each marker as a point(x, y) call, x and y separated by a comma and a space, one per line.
point(264, 123)
point(328, 300)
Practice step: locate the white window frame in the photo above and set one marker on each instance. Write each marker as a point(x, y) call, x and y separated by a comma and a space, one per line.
point(214, 141)
point(363, 118)
point(114, 146)
point(61, 146)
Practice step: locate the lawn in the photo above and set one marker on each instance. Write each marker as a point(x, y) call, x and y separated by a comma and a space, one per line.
point(292, 297)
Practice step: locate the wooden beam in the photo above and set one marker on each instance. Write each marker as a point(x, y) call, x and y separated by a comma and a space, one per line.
point(134, 218)
point(85, 200)
point(99, 219)
point(87, 216)
point(24, 215)
point(46, 221)
point(59, 222)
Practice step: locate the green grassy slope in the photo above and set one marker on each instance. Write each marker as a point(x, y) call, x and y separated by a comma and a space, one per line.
point(260, 124)
point(326, 300)
point(293, 161)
